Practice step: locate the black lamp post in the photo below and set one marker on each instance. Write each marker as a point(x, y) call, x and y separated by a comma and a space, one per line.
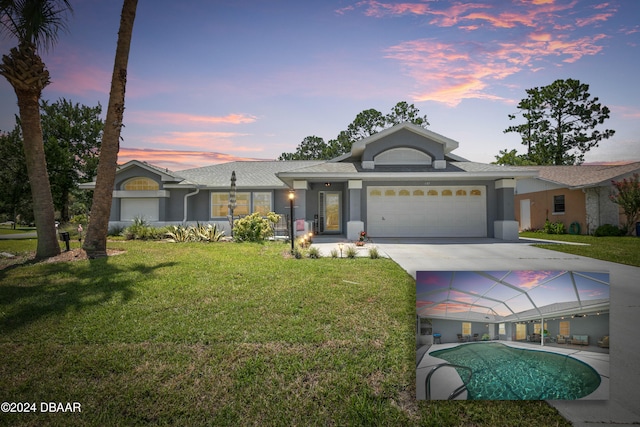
point(292, 195)
point(232, 198)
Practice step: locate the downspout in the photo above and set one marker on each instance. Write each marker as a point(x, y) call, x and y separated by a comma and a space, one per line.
point(184, 220)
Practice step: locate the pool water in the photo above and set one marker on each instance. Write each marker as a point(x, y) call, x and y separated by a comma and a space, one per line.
point(501, 372)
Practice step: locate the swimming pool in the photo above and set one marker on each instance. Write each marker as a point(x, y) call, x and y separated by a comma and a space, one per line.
point(501, 372)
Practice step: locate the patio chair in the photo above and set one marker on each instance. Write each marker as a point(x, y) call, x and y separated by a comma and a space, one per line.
point(476, 337)
point(604, 342)
point(461, 338)
point(560, 339)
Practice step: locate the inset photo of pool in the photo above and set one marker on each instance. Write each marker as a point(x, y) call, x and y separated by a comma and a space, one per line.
point(512, 335)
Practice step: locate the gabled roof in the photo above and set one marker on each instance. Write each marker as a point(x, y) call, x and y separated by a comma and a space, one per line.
point(584, 175)
point(359, 146)
point(165, 174)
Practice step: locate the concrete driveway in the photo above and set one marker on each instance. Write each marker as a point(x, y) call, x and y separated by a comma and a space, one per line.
point(490, 254)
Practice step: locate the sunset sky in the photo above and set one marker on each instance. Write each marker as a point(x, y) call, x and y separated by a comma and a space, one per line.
point(214, 81)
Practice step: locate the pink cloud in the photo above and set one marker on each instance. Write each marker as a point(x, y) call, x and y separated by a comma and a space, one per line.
point(154, 117)
point(451, 72)
point(520, 12)
point(582, 22)
point(225, 141)
point(529, 279)
point(177, 159)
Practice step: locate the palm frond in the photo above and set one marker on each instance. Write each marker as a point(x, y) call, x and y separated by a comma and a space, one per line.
point(34, 21)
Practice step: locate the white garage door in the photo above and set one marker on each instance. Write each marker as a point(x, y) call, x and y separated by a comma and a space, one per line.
point(446, 211)
point(146, 208)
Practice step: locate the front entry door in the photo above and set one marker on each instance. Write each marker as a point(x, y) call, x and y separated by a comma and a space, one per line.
point(330, 208)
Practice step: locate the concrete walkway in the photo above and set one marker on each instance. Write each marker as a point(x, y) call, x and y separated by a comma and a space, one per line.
point(482, 254)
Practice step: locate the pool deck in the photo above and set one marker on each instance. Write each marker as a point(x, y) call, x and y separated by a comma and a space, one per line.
point(446, 380)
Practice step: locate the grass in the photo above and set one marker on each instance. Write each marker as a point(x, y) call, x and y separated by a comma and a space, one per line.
point(623, 250)
point(222, 334)
point(18, 230)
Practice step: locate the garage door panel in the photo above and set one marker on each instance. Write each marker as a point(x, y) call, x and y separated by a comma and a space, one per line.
point(426, 212)
point(145, 208)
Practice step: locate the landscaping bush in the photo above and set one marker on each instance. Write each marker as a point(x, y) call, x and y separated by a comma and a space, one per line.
point(198, 233)
point(351, 251)
point(254, 227)
point(142, 230)
point(554, 227)
point(606, 230)
point(374, 253)
point(314, 252)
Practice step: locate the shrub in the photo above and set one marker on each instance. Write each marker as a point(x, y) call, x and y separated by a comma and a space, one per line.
point(208, 233)
point(374, 253)
point(554, 227)
point(79, 219)
point(179, 234)
point(142, 230)
point(351, 251)
point(334, 253)
point(314, 252)
point(198, 233)
point(254, 228)
point(608, 230)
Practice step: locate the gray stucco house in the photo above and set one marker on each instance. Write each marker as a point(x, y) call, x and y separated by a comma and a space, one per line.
point(401, 182)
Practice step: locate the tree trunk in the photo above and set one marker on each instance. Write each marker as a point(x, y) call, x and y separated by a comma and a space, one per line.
point(95, 243)
point(43, 211)
point(26, 72)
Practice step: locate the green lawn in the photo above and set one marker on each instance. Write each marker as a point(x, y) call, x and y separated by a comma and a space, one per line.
point(18, 230)
point(623, 250)
point(221, 334)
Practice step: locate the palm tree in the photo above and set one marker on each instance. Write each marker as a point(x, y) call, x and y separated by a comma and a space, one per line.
point(95, 243)
point(35, 24)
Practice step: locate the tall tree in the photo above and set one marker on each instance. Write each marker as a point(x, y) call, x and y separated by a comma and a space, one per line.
point(34, 24)
point(15, 197)
point(560, 123)
point(72, 134)
point(405, 112)
point(311, 148)
point(512, 158)
point(366, 123)
point(95, 243)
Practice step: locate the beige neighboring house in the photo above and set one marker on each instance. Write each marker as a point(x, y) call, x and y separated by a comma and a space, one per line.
point(577, 196)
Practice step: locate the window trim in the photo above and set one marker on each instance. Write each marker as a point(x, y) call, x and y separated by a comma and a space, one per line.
point(557, 204)
point(241, 196)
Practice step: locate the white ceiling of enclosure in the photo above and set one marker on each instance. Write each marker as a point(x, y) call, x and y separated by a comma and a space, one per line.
point(509, 296)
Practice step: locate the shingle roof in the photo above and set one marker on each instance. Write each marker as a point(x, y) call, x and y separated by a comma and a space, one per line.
point(583, 175)
point(249, 174)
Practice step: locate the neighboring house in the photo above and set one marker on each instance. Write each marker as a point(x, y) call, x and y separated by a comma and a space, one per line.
point(572, 195)
point(401, 182)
